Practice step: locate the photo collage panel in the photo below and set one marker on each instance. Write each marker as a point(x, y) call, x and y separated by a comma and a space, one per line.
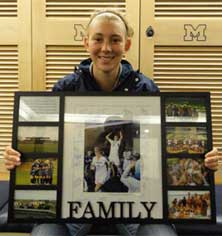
point(37, 139)
point(187, 139)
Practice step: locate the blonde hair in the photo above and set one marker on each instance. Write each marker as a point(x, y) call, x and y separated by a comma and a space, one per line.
point(111, 15)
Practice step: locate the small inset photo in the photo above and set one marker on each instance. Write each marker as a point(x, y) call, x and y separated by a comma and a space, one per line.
point(187, 172)
point(37, 171)
point(187, 140)
point(33, 204)
point(189, 205)
point(185, 109)
point(37, 139)
point(39, 108)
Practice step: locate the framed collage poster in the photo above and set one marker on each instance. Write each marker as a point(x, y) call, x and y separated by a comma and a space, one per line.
point(120, 158)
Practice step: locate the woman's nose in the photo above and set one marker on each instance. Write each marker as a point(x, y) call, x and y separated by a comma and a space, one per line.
point(106, 46)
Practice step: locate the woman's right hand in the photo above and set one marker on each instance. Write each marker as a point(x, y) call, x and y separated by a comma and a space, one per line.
point(12, 158)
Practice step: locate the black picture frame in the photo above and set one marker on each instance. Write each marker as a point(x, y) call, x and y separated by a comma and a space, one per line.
point(137, 181)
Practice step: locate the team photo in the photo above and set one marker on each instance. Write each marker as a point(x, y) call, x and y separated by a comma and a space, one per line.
point(187, 140)
point(185, 109)
point(189, 205)
point(187, 172)
point(37, 171)
point(34, 204)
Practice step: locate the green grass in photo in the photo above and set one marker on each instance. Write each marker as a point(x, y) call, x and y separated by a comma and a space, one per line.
point(22, 147)
point(38, 148)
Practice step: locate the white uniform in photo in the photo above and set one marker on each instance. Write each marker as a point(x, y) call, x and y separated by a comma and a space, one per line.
point(114, 152)
point(101, 172)
point(126, 161)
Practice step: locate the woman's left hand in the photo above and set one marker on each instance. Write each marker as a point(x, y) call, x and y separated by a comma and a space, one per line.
point(212, 159)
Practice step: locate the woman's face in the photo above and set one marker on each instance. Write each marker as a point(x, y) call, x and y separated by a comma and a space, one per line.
point(97, 151)
point(106, 42)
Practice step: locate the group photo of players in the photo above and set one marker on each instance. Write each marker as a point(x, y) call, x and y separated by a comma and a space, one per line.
point(34, 204)
point(189, 205)
point(179, 109)
point(36, 209)
point(187, 172)
point(112, 157)
point(37, 171)
point(187, 140)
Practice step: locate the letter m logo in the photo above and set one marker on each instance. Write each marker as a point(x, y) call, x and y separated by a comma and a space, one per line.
point(79, 32)
point(197, 33)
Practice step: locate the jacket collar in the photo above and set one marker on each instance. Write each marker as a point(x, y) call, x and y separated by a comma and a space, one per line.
point(126, 68)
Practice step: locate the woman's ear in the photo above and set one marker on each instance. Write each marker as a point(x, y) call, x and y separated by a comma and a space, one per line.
point(86, 42)
point(127, 44)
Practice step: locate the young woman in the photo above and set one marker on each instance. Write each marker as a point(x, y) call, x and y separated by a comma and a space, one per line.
point(107, 40)
point(114, 148)
point(100, 167)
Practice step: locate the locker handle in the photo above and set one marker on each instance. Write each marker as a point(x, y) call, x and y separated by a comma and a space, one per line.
point(149, 31)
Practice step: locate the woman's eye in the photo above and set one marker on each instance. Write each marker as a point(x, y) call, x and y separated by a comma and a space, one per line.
point(98, 39)
point(116, 40)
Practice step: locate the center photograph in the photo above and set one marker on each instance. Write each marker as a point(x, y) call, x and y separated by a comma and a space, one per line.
point(112, 165)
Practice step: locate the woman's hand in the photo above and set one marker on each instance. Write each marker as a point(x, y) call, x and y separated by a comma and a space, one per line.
point(212, 159)
point(12, 158)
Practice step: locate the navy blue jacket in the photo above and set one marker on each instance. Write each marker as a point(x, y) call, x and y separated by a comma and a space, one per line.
point(82, 81)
